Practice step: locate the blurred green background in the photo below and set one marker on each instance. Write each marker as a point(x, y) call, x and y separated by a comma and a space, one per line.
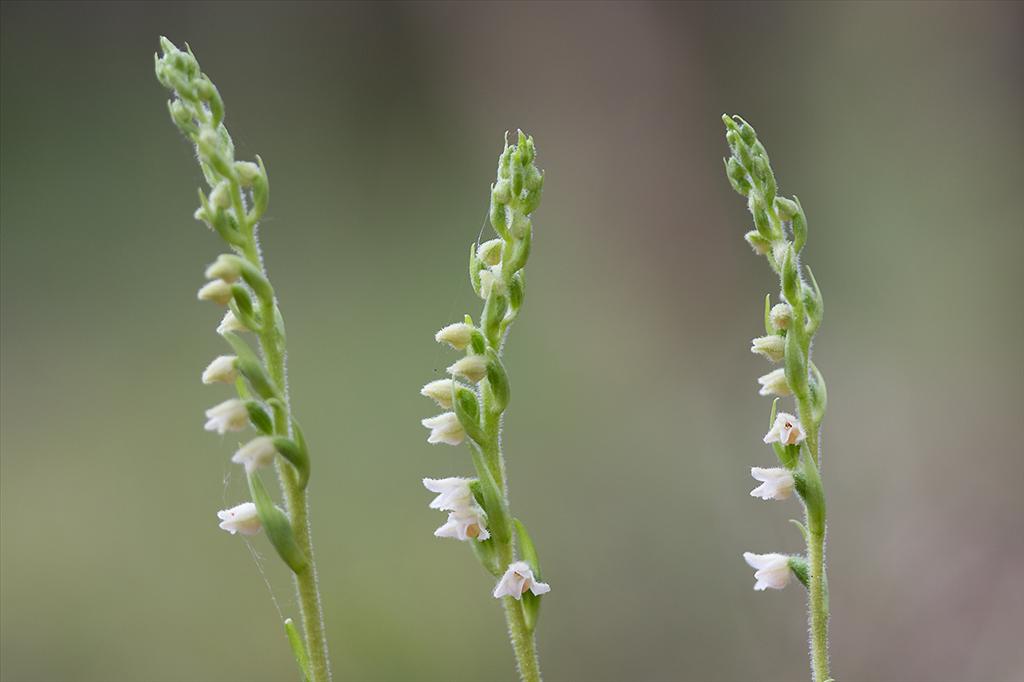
point(635, 415)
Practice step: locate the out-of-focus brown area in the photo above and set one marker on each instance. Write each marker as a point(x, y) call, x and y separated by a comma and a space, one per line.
point(635, 416)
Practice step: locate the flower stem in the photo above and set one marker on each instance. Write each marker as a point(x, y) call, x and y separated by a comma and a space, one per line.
point(523, 643)
point(297, 506)
point(818, 611)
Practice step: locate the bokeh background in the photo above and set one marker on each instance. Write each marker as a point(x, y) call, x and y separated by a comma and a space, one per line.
point(635, 415)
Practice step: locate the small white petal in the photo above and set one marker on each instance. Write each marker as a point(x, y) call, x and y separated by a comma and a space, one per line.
point(445, 428)
point(440, 392)
point(453, 493)
point(472, 367)
point(774, 383)
point(772, 570)
point(222, 369)
point(456, 335)
point(786, 430)
point(777, 483)
point(240, 519)
point(259, 452)
point(217, 291)
point(230, 415)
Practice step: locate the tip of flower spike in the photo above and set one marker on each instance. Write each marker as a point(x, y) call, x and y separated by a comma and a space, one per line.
point(167, 46)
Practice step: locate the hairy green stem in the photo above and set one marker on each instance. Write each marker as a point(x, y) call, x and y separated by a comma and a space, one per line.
point(296, 501)
point(522, 639)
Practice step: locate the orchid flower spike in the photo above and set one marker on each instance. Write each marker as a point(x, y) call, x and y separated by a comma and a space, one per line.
point(517, 580)
point(786, 430)
point(240, 519)
point(777, 483)
point(772, 570)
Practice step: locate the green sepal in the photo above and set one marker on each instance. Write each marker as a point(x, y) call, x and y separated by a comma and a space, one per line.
point(242, 300)
point(531, 198)
point(277, 526)
point(747, 131)
point(808, 487)
point(257, 280)
point(531, 601)
point(803, 530)
point(499, 218)
point(296, 456)
point(497, 380)
point(476, 340)
point(516, 291)
point(493, 500)
point(520, 252)
point(259, 418)
point(475, 266)
point(767, 178)
point(800, 569)
point(791, 281)
point(485, 550)
point(494, 312)
point(250, 367)
point(819, 394)
point(762, 222)
point(799, 227)
point(817, 311)
point(250, 319)
point(298, 649)
point(795, 365)
point(207, 91)
point(467, 409)
point(737, 176)
point(260, 191)
point(769, 328)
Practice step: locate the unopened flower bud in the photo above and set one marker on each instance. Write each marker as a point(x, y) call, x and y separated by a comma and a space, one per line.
point(456, 335)
point(247, 172)
point(241, 519)
point(776, 483)
point(227, 267)
point(221, 195)
point(472, 367)
point(222, 370)
point(517, 580)
point(217, 291)
point(440, 392)
point(230, 323)
point(772, 347)
point(230, 415)
point(259, 452)
point(772, 570)
point(502, 192)
point(774, 383)
point(781, 315)
point(490, 251)
point(445, 428)
point(786, 430)
point(787, 208)
point(760, 245)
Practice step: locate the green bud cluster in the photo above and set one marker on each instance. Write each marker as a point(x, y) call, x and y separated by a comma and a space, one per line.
point(779, 234)
point(236, 200)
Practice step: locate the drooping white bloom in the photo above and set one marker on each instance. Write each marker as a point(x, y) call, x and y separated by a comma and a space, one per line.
point(468, 524)
point(222, 369)
point(772, 347)
point(259, 452)
point(217, 291)
point(771, 570)
point(490, 251)
point(518, 579)
point(440, 392)
point(472, 367)
point(786, 430)
point(777, 483)
point(453, 493)
point(230, 323)
point(445, 428)
point(457, 335)
point(226, 267)
point(241, 519)
point(230, 415)
point(774, 382)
